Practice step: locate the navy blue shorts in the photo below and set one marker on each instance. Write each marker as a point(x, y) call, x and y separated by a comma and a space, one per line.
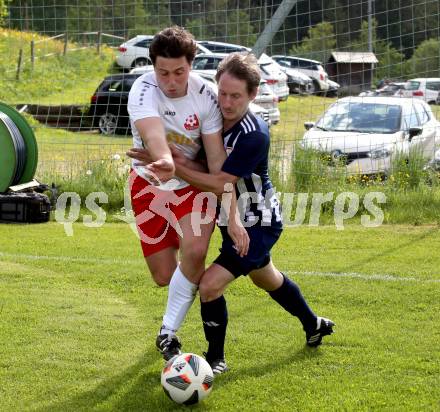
point(262, 239)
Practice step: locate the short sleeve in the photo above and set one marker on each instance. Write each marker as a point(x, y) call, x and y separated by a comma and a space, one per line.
point(213, 121)
point(247, 154)
point(142, 100)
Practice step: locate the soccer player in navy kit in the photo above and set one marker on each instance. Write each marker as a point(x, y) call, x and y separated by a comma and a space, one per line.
point(246, 141)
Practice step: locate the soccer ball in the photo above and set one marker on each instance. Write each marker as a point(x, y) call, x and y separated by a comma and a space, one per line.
point(187, 378)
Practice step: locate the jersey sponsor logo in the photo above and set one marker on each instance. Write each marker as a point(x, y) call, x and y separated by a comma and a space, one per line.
point(192, 122)
point(180, 139)
point(169, 113)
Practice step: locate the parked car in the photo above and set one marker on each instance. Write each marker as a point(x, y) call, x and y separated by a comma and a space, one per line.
point(333, 88)
point(426, 89)
point(434, 163)
point(298, 82)
point(311, 68)
point(108, 105)
point(267, 99)
point(365, 133)
point(220, 47)
point(390, 89)
point(270, 71)
point(135, 52)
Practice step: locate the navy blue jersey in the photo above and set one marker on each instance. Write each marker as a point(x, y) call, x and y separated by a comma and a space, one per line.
point(247, 146)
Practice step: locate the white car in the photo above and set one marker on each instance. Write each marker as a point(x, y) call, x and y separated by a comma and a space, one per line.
point(389, 89)
point(135, 52)
point(220, 47)
point(364, 133)
point(434, 163)
point(426, 89)
point(270, 71)
point(311, 68)
point(267, 99)
point(333, 88)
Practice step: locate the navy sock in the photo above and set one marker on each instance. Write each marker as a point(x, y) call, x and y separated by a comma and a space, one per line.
point(289, 296)
point(215, 321)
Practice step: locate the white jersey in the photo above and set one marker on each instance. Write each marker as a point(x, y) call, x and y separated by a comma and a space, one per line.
point(185, 118)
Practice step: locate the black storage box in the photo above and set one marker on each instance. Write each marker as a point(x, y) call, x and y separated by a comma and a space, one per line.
point(24, 207)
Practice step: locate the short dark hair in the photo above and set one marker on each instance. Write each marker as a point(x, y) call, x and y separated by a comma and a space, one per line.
point(173, 42)
point(243, 67)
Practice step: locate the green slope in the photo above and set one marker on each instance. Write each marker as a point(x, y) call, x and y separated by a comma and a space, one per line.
point(55, 79)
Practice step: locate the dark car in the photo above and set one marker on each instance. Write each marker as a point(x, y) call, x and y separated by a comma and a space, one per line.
point(108, 106)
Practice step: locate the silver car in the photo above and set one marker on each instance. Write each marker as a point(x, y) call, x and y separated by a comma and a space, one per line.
point(365, 133)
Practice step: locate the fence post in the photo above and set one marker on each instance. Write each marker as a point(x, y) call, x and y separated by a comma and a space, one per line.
point(32, 54)
point(98, 45)
point(65, 44)
point(20, 61)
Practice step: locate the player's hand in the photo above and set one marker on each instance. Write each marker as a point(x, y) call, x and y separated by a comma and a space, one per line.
point(140, 154)
point(161, 170)
point(239, 236)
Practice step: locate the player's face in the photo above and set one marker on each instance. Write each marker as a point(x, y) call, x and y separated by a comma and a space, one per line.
point(233, 98)
point(172, 75)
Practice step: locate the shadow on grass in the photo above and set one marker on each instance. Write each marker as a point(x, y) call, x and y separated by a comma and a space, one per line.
point(261, 369)
point(135, 389)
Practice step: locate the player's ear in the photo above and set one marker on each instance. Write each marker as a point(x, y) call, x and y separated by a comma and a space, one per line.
point(253, 94)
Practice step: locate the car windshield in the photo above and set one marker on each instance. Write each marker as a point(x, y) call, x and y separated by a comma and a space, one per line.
point(361, 117)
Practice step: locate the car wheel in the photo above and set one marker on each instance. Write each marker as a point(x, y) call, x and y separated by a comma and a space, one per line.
point(108, 123)
point(314, 88)
point(140, 62)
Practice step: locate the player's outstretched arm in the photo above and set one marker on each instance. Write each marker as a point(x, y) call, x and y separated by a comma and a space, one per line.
point(153, 135)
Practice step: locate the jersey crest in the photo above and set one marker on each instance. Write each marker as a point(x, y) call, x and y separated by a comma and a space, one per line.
point(192, 122)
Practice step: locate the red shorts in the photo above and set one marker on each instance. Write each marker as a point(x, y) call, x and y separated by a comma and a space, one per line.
point(158, 211)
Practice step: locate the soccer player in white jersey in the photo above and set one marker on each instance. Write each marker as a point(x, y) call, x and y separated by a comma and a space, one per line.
point(246, 141)
point(171, 104)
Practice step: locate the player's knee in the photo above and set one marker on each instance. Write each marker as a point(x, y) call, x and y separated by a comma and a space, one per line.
point(209, 289)
point(259, 283)
point(196, 253)
point(269, 283)
point(161, 278)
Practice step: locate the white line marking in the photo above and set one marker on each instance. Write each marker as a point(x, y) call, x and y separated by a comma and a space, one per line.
point(70, 258)
point(112, 261)
point(364, 276)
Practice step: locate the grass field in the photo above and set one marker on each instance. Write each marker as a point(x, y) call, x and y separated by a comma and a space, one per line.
point(78, 318)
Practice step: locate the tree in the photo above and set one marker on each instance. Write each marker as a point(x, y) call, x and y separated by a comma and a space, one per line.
point(425, 61)
point(3, 10)
point(391, 62)
point(318, 44)
point(118, 17)
point(222, 21)
point(390, 65)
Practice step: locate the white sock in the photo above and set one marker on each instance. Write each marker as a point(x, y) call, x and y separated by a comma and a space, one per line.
point(181, 294)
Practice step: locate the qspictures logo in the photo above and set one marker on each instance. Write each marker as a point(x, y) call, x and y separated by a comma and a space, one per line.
point(298, 209)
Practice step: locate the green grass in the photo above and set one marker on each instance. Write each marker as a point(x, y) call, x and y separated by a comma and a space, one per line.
point(55, 79)
point(79, 317)
point(294, 112)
